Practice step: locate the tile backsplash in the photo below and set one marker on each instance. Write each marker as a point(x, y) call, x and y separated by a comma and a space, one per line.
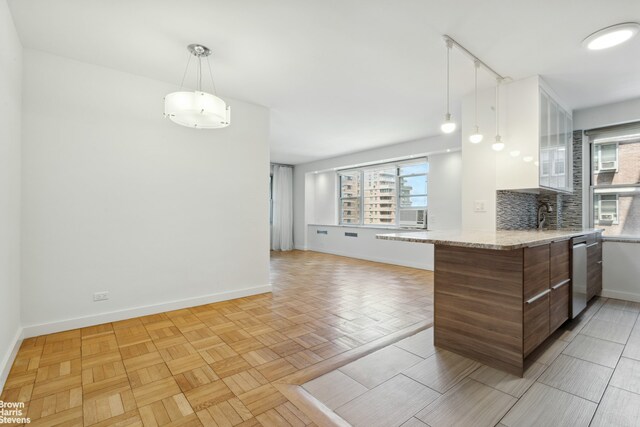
point(518, 211)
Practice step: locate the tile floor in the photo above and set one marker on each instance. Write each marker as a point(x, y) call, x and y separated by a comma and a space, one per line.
point(588, 374)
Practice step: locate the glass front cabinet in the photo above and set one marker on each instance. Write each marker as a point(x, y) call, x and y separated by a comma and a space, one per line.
point(538, 136)
point(556, 146)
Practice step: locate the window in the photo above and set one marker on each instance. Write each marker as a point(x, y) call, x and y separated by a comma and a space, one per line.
point(413, 186)
point(605, 158)
point(374, 195)
point(350, 197)
point(379, 196)
point(606, 209)
point(615, 180)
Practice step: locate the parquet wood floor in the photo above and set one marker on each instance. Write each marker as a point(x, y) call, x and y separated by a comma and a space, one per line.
point(219, 364)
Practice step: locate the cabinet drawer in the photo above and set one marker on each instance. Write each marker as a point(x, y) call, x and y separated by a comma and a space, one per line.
point(594, 270)
point(559, 262)
point(559, 304)
point(536, 322)
point(536, 270)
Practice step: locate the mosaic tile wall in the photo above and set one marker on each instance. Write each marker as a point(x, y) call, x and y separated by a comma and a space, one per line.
point(518, 211)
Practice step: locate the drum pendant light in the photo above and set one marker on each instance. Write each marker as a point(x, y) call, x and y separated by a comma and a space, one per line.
point(197, 109)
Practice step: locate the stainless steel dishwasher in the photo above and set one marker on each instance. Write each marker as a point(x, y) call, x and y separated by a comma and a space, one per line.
point(579, 276)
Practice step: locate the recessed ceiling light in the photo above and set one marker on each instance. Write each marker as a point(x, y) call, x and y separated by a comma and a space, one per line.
point(611, 36)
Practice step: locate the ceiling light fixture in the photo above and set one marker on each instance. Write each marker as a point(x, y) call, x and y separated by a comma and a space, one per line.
point(498, 145)
point(611, 36)
point(476, 137)
point(449, 125)
point(197, 109)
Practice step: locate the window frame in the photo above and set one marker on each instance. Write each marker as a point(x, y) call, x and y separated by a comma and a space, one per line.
point(597, 148)
point(397, 165)
point(399, 196)
point(341, 198)
point(380, 167)
point(598, 217)
point(617, 135)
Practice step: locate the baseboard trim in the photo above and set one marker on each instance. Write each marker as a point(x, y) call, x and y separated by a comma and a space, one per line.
point(9, 358)
point(627, 296)
point(376, 259)
point(113, 316)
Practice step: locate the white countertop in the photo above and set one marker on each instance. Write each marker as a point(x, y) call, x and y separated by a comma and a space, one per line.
point(498, 240)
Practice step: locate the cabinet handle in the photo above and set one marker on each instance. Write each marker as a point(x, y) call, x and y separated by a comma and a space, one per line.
point(599, 262)
point(592, 245)
point(561, 284)
point(537, 297)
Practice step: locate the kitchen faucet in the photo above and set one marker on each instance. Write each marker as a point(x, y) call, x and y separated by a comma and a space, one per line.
point(543, 210)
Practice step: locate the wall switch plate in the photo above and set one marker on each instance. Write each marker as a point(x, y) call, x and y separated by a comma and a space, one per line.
point(100, 296)
point(479, 206)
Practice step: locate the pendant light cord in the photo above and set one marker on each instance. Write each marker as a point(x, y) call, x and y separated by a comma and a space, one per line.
point(213, 82)
point(477, 65)
point(184, 75)
point(498, 107)
point(199, 74)
point(449, 46)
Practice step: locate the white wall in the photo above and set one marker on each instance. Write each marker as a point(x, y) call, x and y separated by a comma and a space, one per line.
point(479, 163)
point(10, 119)
point(445, 191)
point(304, 183)
point(118, 199)
point(324, 201)
point(606, 115)
point(366, 246)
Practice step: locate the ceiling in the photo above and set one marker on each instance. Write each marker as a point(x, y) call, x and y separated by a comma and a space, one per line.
point(345, 75)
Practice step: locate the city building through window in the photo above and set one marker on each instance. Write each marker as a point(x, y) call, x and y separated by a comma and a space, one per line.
point(377, 194)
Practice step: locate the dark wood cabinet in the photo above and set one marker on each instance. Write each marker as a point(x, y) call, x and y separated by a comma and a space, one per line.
point(536, 271)
point(536, 296)
point(594, 268)
point(560, 284)
point(498, 306)
point(536, 323)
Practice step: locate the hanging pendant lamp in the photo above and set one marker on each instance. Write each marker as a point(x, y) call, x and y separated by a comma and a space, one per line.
point(498, 145)
point(476, 137)
point(197, 109)
point(449, 125)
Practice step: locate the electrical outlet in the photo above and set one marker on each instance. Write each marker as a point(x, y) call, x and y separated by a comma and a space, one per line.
point(100, 296)
point(479, 206)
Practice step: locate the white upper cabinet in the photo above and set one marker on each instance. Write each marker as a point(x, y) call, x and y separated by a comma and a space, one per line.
point(538, 134)
point(556, 158)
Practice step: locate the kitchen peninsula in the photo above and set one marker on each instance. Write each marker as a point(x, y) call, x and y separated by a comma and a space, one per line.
point(498, 295)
